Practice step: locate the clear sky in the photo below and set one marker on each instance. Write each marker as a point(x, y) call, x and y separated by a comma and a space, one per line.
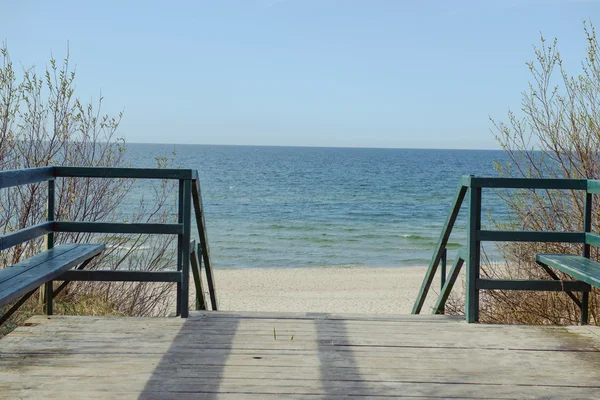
point(370, 73)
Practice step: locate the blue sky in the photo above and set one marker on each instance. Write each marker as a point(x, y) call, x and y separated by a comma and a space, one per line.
point(369, 73)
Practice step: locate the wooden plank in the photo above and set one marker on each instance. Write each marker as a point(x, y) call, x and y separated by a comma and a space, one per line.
point(541, 285)
point(136, 173)
point(578, 267)
point(439, 250)
point(531, 236)
point(312, 316)
point(111, 227)
point(164, 395)
point(25, 176)
point(368, 337)
point(204, 247)
point(41, 268)
point(11, 272)
point(529, 183)
point(120, 276)
point(11, 239)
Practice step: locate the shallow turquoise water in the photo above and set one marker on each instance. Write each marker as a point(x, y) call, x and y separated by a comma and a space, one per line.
point(297, 207)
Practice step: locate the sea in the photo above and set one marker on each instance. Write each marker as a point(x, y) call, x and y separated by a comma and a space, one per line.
point(298, 207)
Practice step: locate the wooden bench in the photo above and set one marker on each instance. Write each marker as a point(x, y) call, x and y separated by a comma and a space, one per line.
point(581, 268)
point(24, 278)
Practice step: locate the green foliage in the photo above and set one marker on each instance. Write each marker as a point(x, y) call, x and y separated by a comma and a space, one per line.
point(558, 136)
point(43, 122)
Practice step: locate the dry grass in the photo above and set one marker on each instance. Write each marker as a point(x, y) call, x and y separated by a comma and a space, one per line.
point(78, 304)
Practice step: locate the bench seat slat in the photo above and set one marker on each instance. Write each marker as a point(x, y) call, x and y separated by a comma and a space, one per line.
point(578, 267)
point(17, 269)
point(35, 271)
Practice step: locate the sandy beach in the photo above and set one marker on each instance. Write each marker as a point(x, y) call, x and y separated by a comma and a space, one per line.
point(334, 290)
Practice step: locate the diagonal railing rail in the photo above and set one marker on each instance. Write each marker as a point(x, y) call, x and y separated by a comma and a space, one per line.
point(440, 252)
point(201, 253)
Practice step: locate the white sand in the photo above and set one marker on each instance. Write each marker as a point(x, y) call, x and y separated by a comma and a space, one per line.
point(334, 290)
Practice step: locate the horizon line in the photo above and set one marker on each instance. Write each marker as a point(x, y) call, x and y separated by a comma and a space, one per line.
point(310, 146)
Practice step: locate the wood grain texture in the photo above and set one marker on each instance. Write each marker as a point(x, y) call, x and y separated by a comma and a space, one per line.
point(21, 278)
point(579, 267)
point(226, 355)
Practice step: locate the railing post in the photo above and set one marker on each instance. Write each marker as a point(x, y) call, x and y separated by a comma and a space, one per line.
point(443, 277)
point(179, 246)
point(49, 286)
point(474, 254)
point(587, 227)
point(185, 249)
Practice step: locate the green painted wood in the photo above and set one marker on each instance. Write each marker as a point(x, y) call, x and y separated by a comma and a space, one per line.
point(473, 255)
point(585, 298)
point(587, 223)
point(196, 267)
point(205, 250)
point(592, 239)
point(537, 285)
point(113, 227)
point(440, 304)
point(120, 276)
point(530, 236)
point(587, 227)
point(23, 235)
point(578, 267)
point(50, 214)
point(441, 246)
point(21, 278)
point(136, 173)
point(593, 186)
point(443, 273)
point(49, 286)
point(527, 183)
point(185, 249)
point(25, 176)
point(11, 272)
point(179, 246)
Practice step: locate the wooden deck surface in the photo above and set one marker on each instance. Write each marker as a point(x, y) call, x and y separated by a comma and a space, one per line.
point(220, 355)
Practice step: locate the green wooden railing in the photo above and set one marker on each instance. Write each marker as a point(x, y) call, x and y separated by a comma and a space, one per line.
point(471, 254)
point(189, 255)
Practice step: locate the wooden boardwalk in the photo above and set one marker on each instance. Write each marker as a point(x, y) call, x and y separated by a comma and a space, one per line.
point(220, 355)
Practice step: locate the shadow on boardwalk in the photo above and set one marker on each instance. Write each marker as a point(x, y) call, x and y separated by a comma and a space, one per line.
point(339, 368)
point(193, 366)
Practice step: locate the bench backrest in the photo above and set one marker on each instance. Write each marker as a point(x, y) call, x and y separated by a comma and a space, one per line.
point(50, 174)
